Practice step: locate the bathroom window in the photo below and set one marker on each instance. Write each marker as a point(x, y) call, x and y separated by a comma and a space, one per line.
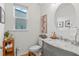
point(20, 17)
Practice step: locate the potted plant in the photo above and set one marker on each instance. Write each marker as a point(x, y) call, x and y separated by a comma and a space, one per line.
point(6, 35)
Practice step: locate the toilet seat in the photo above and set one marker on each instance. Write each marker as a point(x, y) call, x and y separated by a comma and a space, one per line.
point(35, 48)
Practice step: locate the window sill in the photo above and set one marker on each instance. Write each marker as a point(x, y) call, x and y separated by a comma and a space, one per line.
point(19, 30)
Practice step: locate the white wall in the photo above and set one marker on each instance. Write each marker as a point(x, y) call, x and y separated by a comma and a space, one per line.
point(76, 5)
point(50, 10)
point(24, 39)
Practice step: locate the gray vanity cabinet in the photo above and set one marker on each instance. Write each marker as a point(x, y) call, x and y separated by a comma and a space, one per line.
point(49, 50)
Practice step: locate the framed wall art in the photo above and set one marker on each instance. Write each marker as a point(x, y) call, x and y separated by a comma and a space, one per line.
point(44, 24)
point(60, 24)
point(67, 23)
point(2, 15)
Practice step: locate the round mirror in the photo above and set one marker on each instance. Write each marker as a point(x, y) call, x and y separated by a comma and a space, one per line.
point(65, 15)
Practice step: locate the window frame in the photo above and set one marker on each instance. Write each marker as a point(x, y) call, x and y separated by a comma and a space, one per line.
point(20, 18)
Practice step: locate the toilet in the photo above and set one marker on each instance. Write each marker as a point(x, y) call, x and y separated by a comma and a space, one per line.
point(36, 49)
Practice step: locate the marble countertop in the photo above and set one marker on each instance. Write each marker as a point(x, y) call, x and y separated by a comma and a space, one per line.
point(63, 45)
